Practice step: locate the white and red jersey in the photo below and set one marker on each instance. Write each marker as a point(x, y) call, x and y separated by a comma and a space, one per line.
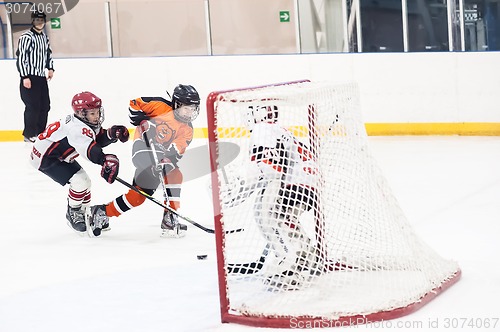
point(66, 139)
point(279, 155)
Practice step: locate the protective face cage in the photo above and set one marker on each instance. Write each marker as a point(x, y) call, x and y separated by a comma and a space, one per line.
point(83, 116)
point(186, 113)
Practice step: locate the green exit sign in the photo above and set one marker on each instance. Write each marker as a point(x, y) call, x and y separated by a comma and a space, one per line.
point(55, 23)
point(284, 16)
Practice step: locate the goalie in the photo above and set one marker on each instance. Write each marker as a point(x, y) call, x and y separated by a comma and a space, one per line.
point(283, 173)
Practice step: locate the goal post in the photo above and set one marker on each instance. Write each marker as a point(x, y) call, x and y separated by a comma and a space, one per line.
point(325, 242)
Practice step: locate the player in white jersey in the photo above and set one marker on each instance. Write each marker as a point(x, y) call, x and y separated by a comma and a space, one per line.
point(284, 174)
point(54, 152)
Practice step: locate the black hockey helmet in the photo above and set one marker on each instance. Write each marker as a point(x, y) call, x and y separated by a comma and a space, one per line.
point(185, 95)
point(38, 14)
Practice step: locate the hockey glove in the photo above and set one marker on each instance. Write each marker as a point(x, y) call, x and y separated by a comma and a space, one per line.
point(164, 167)
point(110, 167)
point(147, 127)
point(118, 133)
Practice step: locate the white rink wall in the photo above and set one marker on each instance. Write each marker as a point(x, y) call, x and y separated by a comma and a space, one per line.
point(395, 87)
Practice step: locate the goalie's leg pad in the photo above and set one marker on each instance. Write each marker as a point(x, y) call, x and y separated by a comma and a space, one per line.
point(298, 195)
point(280, 226)
point(288, 280)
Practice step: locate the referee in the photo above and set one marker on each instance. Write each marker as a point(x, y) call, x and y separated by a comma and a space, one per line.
point(33, 57)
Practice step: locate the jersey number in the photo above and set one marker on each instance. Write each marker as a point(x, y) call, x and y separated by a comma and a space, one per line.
point(49, 130)
point(87, 132)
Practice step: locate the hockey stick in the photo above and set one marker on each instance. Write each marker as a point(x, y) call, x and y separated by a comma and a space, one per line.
point(154, 159)
point(154, 200)
point(252, 267)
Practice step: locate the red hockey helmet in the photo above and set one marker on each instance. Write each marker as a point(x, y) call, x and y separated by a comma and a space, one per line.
point(82, 103)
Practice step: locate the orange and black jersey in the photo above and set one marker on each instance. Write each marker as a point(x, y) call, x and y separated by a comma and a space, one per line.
point(174, 135)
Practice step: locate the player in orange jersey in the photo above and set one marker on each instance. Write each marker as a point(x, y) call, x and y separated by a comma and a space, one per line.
point(167, 127)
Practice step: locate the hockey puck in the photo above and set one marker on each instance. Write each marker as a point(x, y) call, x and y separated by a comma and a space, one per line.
point(201, 257)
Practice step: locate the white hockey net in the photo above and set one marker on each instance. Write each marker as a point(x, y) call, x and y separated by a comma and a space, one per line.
point(324, 237)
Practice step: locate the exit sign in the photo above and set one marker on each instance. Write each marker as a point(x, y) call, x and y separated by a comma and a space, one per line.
point(284, 16)
point(55, 23)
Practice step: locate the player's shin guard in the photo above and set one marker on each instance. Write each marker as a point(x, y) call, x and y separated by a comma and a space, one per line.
point(125, 202)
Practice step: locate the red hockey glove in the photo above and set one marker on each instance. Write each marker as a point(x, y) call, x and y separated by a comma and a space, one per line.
point(118, 132)
point(110, 168)
point(146, 127)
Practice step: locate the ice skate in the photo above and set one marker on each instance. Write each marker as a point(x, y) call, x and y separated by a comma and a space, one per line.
point(171, 227)
point(76, 219)
point(97, 220)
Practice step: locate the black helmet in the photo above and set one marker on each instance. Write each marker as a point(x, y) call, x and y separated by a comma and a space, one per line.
point(188, 96)
point(37, 14)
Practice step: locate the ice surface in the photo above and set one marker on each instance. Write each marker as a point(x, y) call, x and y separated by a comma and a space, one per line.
point(131, 280)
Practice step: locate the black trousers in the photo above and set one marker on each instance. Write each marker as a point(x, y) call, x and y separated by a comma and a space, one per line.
point(37, 105)
point(59, 171)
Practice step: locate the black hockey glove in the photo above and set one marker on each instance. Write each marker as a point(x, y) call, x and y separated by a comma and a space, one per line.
point(110, 167)
point(118, 133)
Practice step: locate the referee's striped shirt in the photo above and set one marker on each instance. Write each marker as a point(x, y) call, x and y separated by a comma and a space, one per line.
point(33, 54)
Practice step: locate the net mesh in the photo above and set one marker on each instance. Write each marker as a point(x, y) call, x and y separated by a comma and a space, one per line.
point(324, 235)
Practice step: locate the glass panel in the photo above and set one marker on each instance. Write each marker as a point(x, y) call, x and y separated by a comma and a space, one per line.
point(3, 33)
point(253, 27)
point(322, 26)
point(456, 25)
point(382, 25)
point(352, 27)
point(180, 27)
point(335, 26)
point(82, 32)
point(311, 24)
point(155, 28)
point(482, 25)
point(427, 25)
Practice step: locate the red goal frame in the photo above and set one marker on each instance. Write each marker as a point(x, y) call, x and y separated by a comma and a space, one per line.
point(283, 321)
